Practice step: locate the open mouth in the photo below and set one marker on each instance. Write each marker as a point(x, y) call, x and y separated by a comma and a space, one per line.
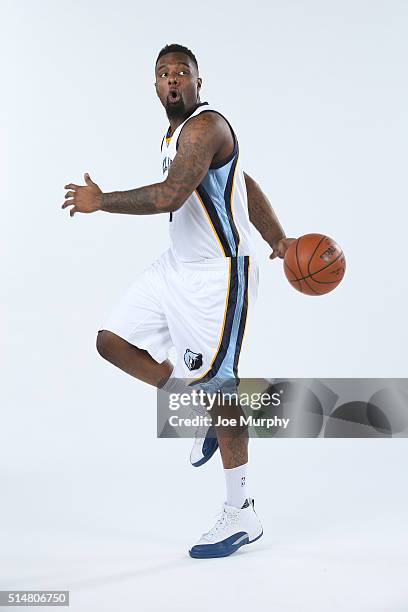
point(174, 97)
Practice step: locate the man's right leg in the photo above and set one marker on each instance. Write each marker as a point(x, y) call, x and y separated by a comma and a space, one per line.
point(135, 336)
point(132, 360)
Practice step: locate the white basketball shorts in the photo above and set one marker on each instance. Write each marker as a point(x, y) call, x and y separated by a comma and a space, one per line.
point(200, 308)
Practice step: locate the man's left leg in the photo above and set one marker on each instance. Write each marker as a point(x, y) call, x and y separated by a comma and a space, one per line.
point(206, 310)
point(238, 524)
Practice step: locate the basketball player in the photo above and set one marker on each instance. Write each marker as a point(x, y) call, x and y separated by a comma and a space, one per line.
point(196, 296)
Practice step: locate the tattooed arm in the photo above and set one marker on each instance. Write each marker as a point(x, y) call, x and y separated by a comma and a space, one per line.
point(198, 143)
point(200, 140)
point(263, 217)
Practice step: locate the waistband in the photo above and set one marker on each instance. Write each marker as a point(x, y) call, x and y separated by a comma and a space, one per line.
point(219, 263)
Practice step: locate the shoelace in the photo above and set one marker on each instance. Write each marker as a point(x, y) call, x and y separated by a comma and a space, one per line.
point(224, 519)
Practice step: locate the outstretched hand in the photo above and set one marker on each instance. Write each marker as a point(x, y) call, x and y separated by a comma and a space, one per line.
point(84, 199)
point(280, 248)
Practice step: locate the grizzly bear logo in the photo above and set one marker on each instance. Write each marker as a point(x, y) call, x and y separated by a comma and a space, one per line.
point(193, 361)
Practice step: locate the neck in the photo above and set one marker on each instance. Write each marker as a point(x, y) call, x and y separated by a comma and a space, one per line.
point(176, 121)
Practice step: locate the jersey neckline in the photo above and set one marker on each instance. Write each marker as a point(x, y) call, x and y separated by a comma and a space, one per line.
point(168, 137)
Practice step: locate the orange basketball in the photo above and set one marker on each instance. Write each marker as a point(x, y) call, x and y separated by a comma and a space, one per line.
point(314, 264)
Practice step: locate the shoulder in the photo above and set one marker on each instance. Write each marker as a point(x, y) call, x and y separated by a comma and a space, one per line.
point(208, 124)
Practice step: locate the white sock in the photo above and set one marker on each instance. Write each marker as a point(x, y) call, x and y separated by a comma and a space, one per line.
point(235, 479)
point(179, 386)
point(175, 385)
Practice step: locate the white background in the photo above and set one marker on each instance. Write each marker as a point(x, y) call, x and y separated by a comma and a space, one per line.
point(92, 501)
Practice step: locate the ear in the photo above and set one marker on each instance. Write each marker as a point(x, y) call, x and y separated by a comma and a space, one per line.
point(199, 82)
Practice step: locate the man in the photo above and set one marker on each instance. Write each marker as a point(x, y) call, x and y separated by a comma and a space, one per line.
point(196, 295)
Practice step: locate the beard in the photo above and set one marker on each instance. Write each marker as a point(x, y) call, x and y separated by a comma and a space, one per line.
point(175, 110)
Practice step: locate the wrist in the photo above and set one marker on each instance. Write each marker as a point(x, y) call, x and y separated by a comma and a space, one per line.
point(273, 243)
point(105, 201)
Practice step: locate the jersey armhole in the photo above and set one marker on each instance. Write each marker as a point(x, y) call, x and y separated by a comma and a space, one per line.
point(234, 152)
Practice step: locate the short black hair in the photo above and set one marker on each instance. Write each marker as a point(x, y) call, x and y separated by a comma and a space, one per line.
point(175, 48)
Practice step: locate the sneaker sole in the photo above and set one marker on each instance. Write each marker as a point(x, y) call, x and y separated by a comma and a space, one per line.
point(204, 459)
point(212, 555)
point(208, 456)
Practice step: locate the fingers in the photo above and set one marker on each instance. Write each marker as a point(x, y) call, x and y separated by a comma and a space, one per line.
point(73, 210)
point(70, 198)
point(276, 254)
point(88, 179)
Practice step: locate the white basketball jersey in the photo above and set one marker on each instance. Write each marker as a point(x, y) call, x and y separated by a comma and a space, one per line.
point(213, 222)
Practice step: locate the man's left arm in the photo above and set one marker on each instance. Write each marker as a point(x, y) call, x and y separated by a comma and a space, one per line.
point(263, 217)
point(199, 141)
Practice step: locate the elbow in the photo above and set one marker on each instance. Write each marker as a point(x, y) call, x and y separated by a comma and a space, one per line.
point(173, 204)
point(173, 199)
point(168, 206)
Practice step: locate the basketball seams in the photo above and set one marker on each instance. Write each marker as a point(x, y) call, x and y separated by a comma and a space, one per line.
point(309, 287)
point(297, 256)
point(321, 270)
point(290, 270)
point(305, 288)
point(300, 269)
point(293, 280)
point(313, 254)
point(329, 264)
point(329, 282)
point(321, 289)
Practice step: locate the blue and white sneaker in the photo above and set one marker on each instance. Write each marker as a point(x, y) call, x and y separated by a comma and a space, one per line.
point(234, 528)
point(205, 443)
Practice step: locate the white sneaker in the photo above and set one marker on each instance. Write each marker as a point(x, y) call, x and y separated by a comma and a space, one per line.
point(205, 443)
point(234, 528)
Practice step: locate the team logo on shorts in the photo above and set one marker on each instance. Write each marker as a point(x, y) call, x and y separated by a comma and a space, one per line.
point(193, 360)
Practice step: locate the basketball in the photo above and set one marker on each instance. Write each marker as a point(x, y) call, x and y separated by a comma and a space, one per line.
point(314, 264)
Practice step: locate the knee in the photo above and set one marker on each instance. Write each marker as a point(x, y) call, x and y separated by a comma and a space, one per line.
point(105, 342)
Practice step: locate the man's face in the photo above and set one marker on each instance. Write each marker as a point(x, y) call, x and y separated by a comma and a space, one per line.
point(177, 84)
